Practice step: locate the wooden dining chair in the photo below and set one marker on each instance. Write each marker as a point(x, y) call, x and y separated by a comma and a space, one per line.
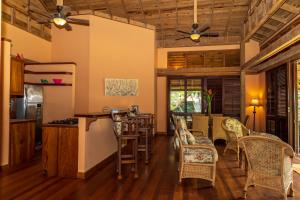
point(200, 125)
point(145, 135)
point(126, 132)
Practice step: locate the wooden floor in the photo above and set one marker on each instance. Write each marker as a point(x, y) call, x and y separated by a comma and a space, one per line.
point(158, 180)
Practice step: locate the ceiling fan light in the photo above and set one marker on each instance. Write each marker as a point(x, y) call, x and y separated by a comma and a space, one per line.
point(195, 36)
point(59, 21)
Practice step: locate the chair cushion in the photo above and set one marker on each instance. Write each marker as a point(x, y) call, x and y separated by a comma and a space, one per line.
point(235, 126)
point(182, 122)
point(198, 156)
point(118, 125)
point(183, 136)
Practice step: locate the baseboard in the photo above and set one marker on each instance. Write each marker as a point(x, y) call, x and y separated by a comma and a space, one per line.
point(99, 166)
point(4, 168)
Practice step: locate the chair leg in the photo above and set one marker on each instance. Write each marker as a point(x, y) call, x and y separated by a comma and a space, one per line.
point(291, 190)
point(135, 149)
point(146, 148)
point(120, 160)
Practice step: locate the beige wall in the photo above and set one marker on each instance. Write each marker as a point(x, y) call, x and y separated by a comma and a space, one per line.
point(59, 101)
point(32, 47)
point(4, 136)
point(256, 88)
point(96, 144)
point(161, 104)
point(251, 49)
point(119, 50)
point(74, 46)
point(108, 49)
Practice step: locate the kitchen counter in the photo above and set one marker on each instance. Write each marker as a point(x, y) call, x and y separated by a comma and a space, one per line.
point(97, 114)
point(21, 120)
point(60, 125)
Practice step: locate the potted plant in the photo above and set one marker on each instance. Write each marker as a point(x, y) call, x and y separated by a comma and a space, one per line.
point(208, 96)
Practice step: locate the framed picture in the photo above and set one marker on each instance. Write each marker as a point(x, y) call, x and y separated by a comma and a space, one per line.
point(121, 87)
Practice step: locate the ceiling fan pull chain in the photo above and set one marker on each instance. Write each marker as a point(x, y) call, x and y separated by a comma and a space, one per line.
point(195, 12)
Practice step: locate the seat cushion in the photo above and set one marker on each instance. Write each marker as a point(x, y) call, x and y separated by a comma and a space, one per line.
point(198, 156)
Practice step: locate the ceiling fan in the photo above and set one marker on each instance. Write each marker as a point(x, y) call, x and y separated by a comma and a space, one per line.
point(197, 32)
point(61, 17)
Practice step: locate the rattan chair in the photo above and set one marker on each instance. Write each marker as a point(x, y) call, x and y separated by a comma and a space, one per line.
point(197, 160)
point(217, 131)
point(234, 129)
point(200, 125)
point(269, 164)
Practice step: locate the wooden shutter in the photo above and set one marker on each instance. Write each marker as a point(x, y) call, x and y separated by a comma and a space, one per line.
point(232, 96)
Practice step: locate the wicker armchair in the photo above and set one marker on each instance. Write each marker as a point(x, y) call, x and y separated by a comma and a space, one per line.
point(196, 160)
point(270, 164)
point(200, 125)
point(234, 129)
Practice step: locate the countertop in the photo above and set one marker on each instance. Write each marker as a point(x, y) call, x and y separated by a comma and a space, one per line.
point(21, 120)
point(97, 114)
point(60, 125)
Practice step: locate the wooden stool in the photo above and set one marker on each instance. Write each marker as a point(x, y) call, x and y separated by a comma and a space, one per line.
point(126, 132)
point(145, 133)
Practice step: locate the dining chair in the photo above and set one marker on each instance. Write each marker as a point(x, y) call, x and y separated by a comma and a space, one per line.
point(217, 131)
point(145, 134)
point(200, 125)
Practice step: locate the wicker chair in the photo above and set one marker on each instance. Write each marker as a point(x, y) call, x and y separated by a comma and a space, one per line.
point(197, 160)
point(270, 164)
point(234, 129)
point(217, 131)
point(200, 125)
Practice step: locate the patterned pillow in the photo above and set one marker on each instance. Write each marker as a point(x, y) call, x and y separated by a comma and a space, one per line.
point(183, 136)
point(190, 138)
point(235, 126)
point(182, 122)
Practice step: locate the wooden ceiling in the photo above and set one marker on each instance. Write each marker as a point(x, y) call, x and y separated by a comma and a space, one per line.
point(224, 16)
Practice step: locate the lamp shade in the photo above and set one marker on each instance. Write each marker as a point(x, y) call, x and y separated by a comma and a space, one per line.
point(254, 102)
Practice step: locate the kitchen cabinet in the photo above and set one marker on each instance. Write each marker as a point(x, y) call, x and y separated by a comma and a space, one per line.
point(22, 141)
point(16, 77)
point(60, 150)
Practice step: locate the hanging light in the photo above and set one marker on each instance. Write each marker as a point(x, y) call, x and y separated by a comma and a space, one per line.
point(59, 20)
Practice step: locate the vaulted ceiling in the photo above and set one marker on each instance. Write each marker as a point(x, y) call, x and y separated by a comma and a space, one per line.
point(223, 16)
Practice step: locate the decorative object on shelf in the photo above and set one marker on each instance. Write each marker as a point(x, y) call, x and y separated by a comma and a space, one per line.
point(57, 80)
point(44, 81)
point(208, 96)
point(255, 103)
point(121, 87)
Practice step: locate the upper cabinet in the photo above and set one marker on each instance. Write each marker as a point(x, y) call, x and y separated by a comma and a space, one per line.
point(17, 77)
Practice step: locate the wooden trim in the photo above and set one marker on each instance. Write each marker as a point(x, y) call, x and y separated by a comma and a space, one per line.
point(289, 39)
point(97, 167)
point(48, 72)
point(50, 63)
point(49, 84)
point(196, 72)
point(5, 39)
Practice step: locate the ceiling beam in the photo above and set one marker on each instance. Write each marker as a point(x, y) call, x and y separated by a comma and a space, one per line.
point(125, 10)
point(142, 11)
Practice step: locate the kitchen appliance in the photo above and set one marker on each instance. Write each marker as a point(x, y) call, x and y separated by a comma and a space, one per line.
point(31, 107)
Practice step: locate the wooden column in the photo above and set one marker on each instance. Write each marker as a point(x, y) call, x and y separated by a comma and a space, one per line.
point(243, 95)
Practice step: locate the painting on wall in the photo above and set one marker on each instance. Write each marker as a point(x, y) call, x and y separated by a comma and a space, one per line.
point(121, 87)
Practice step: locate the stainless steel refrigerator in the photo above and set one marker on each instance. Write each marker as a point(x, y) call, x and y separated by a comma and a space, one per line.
point(31, 107)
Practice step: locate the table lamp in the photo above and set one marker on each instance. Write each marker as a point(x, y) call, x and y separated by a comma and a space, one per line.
point(254, 102)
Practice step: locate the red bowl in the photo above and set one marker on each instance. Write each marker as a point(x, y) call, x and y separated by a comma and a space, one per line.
point(57, 81)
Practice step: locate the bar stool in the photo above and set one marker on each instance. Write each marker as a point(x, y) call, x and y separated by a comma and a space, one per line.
point(145, 133)
point(126, 131)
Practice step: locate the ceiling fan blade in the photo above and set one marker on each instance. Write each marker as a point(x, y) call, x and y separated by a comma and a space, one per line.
point(210, 35)
point(78, 21)
point(203, 29)
point(182, 38)
point(184, 32)
point(68, 27)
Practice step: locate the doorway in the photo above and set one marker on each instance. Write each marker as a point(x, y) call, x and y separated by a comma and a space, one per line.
point(185, 97)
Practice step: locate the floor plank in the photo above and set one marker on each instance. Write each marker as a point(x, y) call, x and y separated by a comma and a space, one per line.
point(158, 180)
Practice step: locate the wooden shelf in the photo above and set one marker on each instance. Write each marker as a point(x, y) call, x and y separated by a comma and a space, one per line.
point(48, 72)
point(49, 84)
